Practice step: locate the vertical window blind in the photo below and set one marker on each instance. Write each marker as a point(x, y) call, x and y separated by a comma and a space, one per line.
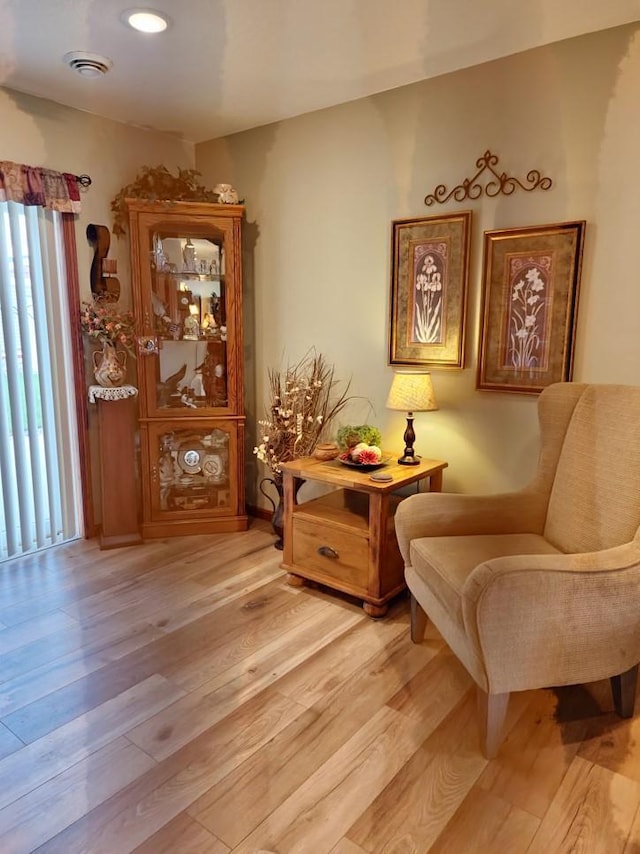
point(39, 468)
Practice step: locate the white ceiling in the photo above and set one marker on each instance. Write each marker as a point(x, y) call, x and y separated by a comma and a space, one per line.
point(229, 65)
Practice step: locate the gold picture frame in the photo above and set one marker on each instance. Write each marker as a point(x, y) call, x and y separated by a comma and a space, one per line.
point(430, 264)
point(531, 282)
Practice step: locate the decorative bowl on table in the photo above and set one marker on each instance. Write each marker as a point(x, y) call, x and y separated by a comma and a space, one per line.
point(363, 456)
point(326, 451)
point(365, 466)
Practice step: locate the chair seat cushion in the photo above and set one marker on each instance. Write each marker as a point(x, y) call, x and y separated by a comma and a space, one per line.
point(445, 563)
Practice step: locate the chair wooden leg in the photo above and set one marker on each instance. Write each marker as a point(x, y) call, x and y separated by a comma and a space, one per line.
point(492, 711)
point(418, 621)
point(623, 688)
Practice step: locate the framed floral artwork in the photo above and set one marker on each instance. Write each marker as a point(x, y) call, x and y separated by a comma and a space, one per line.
point(430, 263)
point(531, 281)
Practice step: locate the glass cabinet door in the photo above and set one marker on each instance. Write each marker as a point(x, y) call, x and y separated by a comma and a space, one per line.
point(186, 275)
point(184, 346)
point(191, 469)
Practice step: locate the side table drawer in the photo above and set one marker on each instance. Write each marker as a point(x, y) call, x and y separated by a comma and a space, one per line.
point(336, 554)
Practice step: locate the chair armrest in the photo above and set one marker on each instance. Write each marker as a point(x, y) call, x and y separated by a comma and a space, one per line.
point(445, 514)
point(546, 620)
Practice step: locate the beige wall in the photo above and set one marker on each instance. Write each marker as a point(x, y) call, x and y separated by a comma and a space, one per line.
point(321, 191)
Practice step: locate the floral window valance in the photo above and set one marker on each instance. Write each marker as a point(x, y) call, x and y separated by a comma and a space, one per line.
point(34, 185)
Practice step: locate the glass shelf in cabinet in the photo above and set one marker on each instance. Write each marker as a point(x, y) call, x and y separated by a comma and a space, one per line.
point(197, 277)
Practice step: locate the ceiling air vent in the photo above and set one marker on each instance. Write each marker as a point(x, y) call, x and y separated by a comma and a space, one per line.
point(87, 64)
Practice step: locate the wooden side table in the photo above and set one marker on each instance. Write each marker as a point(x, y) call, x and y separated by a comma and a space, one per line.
point(346, 540)
point(117, 465)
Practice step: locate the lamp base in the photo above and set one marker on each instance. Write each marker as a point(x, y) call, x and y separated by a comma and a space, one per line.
point(408, 457)
point(409, 461)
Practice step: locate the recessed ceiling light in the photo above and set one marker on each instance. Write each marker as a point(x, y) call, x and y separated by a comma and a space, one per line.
point(146, 20)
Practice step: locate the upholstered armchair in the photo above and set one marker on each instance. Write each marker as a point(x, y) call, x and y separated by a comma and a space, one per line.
point(539, 587)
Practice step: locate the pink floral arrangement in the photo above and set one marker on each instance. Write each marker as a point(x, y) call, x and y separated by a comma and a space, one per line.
point(362, 454)
point(102, 323)
point(369, 456)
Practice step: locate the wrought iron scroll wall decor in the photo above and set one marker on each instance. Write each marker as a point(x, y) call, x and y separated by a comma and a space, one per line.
point(500, 183)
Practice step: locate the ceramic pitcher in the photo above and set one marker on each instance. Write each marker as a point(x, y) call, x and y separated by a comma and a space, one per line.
point(110, 365)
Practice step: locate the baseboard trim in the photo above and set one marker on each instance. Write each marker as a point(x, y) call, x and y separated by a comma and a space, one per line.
point(259, 512)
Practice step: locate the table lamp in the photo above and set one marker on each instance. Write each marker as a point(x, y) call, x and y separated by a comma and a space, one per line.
point(411, 391)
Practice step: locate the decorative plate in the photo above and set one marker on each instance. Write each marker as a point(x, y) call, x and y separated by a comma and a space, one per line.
point(212, 466)
point(189, 460)
point(354, 465)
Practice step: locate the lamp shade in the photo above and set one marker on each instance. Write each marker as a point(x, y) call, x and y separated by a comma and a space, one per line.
point(411, 391)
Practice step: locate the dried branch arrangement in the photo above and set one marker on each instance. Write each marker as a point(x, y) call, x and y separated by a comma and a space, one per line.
point(304, 403)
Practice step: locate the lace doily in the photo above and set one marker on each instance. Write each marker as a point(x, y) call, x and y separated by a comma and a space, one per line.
point(117, 393)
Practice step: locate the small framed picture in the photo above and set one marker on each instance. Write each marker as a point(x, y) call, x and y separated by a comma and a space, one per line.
point(531, 281)
point(430, 263)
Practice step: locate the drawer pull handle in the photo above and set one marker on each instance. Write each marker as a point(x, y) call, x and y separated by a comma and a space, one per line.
point(327, 551)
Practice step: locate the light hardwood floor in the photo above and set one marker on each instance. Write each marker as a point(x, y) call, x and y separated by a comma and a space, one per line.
point(180, 697)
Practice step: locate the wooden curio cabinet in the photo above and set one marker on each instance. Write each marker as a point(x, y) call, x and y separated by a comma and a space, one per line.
point(187, 297)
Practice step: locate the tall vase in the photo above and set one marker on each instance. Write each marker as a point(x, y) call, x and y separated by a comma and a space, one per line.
point(110, 365)
point(277, 520)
